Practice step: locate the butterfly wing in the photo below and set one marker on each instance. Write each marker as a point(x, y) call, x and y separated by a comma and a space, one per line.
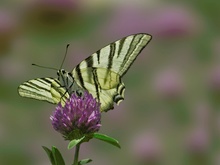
point(101, 72)
point(118, 56)
point(107, 89)
point(46, 89)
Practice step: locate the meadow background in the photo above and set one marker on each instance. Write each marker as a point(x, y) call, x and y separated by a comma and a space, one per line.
point(170, 115)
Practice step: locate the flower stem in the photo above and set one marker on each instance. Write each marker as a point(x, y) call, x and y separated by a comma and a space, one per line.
point(76, 156)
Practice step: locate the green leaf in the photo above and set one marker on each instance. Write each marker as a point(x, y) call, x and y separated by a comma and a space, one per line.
point(49, 154)
point(74, 142)
point(84, 161)
point(107, 139)
point(57, 156)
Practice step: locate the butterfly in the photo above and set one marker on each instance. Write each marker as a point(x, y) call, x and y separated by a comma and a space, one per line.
point(100, 74)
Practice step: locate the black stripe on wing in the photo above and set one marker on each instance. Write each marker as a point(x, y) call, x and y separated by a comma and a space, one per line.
point(22, 88)
point(111, 55)
point(78, 71)
point(45, 81)
point(120, 93)
point(133, 45)
point(130, 50)
point(89, 61)
point(59, 91)
point(96, 83)
point(121, 44)
point(35, 84)
point(38, 89)
point(98, 56)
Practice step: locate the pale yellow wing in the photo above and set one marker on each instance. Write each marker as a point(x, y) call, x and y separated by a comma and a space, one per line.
point(107, 89)
point(101, 72)
point(45, 89)
point(117, 56)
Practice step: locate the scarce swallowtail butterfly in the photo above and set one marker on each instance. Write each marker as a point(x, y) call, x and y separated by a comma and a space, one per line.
point(100, 74)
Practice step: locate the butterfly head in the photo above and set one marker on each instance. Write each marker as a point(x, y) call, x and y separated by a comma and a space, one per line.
point(66, 78)
point(63, 73)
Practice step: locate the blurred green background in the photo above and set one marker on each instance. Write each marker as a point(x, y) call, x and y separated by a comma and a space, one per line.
point(170, 115)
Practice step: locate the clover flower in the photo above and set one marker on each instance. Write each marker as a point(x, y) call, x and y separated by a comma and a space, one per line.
point(79, 117)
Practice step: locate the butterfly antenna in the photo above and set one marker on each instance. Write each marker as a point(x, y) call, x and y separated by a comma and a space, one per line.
point(44, 67)
point(64, 56)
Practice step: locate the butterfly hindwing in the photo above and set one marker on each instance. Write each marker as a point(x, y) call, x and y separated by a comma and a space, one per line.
point(103, 84)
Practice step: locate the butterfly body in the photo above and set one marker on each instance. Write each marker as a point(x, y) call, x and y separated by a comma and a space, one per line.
point(66, 80)
point(100, 74)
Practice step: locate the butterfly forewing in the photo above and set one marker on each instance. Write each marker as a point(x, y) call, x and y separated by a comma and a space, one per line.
point(119, 55)
point(46, 89)
point(39, 89)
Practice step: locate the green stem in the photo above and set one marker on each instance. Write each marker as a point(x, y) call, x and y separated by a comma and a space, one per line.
point(76, 156)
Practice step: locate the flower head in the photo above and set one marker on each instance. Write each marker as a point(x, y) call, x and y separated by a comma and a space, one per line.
point(79, 117)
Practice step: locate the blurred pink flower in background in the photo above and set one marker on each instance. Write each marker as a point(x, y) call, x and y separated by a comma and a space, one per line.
point(169, 84)
point(202, 114)
point(214, 79)
point(198, 141)
point(146, 148)
point(174, 21)
point(160, 21)
point(8, 30)
point(127, 20)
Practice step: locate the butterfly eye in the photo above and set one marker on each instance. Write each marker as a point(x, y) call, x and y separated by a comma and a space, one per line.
point(63, 72)
point(70, 74)
point(58, 73)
